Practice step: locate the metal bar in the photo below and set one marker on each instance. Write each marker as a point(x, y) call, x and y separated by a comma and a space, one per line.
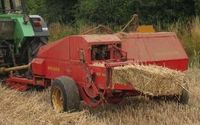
point(114, 64)
point(20, 80)
point(135, 20)
point(4, 70)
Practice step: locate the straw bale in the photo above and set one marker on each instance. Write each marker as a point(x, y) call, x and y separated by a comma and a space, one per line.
point(151, 80)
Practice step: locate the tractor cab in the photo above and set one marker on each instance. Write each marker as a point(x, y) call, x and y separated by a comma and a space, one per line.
point(9, 6)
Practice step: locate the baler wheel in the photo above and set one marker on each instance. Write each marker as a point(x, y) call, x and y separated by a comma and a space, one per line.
point(65, 95)
point(57, 99)
point(184, 97)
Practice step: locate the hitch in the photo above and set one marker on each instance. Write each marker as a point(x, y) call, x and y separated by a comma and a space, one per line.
point(16, 68)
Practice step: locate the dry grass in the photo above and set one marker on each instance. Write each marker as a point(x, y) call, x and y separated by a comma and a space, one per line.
point(31, 108)
point(58, 31)
point(189, 33)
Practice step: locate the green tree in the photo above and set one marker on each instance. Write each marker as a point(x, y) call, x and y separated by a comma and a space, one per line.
point(103, 11)
point(197, 7)
point(150, 11)
point(60, 10)
point(35, 6)
point(114, 12)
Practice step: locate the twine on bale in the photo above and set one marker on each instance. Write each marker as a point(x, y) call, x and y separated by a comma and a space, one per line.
point(150, 80)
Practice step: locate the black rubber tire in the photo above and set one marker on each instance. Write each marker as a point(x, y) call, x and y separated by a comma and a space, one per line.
point(70, 93)
point(184, 97)
point(34, 47)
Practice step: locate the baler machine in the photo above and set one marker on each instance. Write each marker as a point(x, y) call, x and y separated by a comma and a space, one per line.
point(80, 67)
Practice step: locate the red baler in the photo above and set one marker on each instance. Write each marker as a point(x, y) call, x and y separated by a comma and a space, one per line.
point(80, 67)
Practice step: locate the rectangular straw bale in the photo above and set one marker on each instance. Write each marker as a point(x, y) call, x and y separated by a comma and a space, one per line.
point(151, 80)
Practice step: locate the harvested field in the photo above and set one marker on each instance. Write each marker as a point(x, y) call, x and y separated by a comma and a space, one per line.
point(33, 108)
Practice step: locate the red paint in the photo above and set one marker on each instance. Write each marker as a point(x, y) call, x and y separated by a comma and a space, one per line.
point(20, 84)
point(163, 49)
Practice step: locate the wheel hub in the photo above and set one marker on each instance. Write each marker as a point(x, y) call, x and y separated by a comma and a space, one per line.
point(57, 100)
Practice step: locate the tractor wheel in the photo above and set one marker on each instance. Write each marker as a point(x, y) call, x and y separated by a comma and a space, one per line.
point(30, 49)
point(65, 95)
point(34, 47)
point(184, 97)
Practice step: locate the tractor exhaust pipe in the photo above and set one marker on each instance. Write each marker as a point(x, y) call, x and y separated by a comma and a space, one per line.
point(17, 68)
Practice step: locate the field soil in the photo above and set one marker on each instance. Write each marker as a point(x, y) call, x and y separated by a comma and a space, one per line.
point(34, 108)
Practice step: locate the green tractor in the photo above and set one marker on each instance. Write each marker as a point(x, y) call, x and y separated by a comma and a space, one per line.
point(21, 35)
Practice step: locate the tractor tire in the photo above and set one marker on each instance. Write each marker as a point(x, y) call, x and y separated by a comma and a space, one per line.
point(30, 49)
point(184, 97)
point(34, 47)
point(65, 95)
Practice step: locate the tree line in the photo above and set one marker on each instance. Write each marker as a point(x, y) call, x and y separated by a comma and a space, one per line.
point(114, 12)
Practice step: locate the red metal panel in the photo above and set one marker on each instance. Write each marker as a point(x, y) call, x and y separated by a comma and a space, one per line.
point(37, 66)
point(58, 50)
point(181, 65)
point(76, 44)
point(164, 48)
point(100, 76)
point(55, 68)
point(78, 72)
point(122, 87)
